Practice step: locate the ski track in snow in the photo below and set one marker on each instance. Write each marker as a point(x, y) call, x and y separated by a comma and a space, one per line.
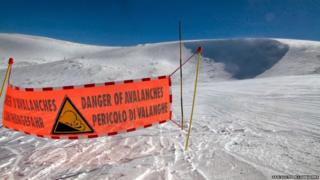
point(242, 129)
point(15, 164)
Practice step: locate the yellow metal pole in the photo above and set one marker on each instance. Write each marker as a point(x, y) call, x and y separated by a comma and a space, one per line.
point(6, 78)
point(194, 98)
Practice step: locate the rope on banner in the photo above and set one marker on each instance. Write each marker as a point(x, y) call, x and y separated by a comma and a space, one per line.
point(180, 67)
point(182, 64)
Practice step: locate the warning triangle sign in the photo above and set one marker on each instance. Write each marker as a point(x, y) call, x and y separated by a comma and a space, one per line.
point(70, 121)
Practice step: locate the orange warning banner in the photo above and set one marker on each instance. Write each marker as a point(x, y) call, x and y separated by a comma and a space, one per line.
point(90, 110)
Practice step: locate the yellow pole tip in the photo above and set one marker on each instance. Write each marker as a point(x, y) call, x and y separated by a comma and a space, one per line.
point(10, 60)
point(199, 50)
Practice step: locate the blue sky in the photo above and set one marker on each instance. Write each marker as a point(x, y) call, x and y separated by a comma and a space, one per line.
point(130, 22)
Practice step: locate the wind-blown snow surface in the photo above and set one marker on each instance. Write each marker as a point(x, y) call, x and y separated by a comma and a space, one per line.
point(267, 124)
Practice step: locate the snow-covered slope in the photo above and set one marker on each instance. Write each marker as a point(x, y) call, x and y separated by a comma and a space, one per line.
point(223, 60)
point(243, 129)
point(34, 50)
point(302, 58)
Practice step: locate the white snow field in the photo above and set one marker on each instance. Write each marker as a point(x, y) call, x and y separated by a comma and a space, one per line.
point(257, 111)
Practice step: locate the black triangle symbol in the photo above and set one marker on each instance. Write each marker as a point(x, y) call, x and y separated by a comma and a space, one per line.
point(64, 128)
point(70, 121)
